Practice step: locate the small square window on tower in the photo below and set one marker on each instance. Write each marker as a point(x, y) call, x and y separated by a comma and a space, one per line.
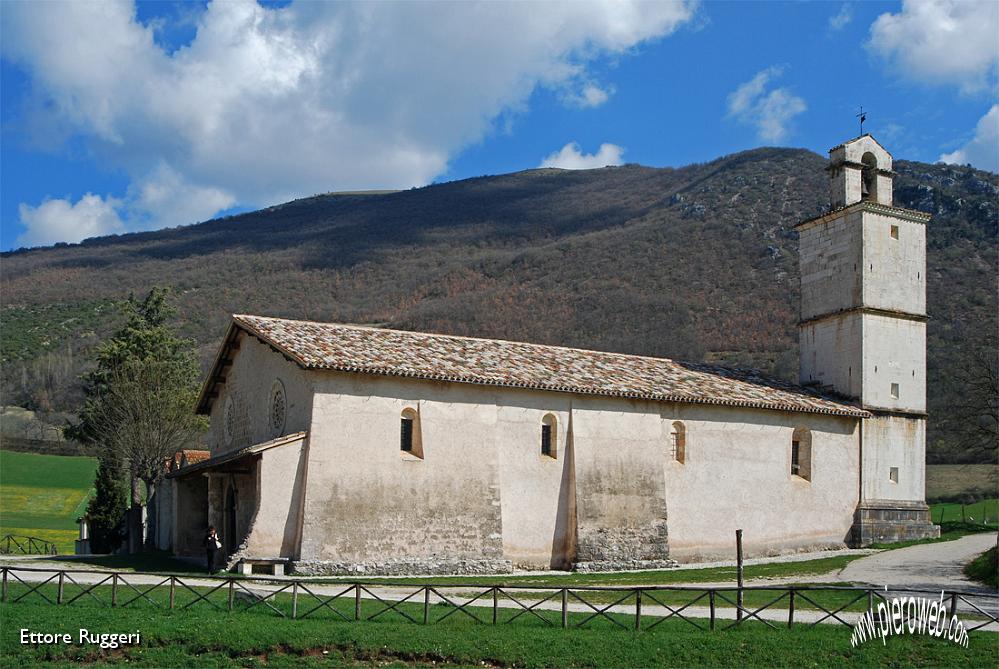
point(894, 232)
point(893, 474)
point(894, 390)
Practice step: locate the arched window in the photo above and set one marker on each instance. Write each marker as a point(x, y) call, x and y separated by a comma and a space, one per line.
point(869, 180)
point(549, 436)
point(410, 437)
point(678, 442)
point(801, 453)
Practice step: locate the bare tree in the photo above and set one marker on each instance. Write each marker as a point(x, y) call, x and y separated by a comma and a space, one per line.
point(144, 416)
point(976, 413)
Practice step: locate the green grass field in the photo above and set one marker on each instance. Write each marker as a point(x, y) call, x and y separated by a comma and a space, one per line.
point(205, 636)
point(43, 495)
point(985, 512)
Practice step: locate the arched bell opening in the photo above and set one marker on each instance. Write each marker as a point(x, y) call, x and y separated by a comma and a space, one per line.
point(869, 177)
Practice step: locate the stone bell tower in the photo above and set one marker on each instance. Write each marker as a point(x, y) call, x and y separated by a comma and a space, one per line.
point(862, 333)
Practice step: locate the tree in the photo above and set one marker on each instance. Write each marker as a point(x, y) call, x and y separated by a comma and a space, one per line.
point(975, 414)
point(143, 414)
point(139, 405)
point(106, 508)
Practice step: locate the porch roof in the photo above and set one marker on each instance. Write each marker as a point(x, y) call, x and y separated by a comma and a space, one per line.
point(232, 456)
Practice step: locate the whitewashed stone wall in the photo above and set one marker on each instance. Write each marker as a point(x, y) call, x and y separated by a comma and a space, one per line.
point(248, 385)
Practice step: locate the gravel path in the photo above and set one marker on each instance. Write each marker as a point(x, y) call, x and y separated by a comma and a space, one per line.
point(930, 566)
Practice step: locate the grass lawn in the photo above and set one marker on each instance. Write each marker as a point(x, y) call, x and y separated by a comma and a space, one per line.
point(983, 512)
point(984, 568)
point(204, 636)
point(43, 495)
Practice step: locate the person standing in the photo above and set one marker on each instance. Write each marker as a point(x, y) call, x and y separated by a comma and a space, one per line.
point(212, 545)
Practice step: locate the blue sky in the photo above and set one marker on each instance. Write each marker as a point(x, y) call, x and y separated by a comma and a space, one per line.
point(119, 117)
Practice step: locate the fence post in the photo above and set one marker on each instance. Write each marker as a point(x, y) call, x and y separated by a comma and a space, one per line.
point(953, 605)
point(638, 609)
point(294, 600)
point(114, 589)
point(232, 591)
point(565, 607)
point(426, 605)
point(62, 576)
point(173, 590)
point(357, 601)
point(495, 604)
point(711, 605)
point(790, 610)
point(4, 597)
point(738, 560)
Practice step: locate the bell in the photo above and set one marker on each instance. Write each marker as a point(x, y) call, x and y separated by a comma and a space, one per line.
point(863, 188)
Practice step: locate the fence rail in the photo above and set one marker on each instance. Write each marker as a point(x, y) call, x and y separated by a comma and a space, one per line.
point(627, 607)
point(12, 543)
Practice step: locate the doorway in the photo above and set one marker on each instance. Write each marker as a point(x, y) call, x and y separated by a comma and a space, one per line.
point(229, 523)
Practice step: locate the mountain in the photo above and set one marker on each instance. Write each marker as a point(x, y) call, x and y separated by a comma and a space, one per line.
point(694, 263)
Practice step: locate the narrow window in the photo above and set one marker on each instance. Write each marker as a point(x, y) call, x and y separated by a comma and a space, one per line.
point(894, 390)
point(406, 440)
point(894, 232)
point(801, 453)
point(678, 442)
point(893, 474)
point(410, 437)
point(548, 436)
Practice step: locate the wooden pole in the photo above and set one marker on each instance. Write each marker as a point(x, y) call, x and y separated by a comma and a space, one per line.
point(711, 604)
point(4, 597)
point(173, 590)
point(638, 610)
point(232, 592)
point(426, 605)
point(62, 576)
point(790, 610)
point(357, 602)
point(114, 589)
point(565, 607)
point(294, 600)
point(738, 563)
point(495, 604)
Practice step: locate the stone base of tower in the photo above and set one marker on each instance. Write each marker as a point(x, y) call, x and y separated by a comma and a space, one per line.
point(891, 521)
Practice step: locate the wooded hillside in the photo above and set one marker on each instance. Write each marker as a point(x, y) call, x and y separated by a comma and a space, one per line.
point(694, 263)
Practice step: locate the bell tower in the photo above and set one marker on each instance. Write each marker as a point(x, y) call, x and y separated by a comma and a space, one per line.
point(862, 333)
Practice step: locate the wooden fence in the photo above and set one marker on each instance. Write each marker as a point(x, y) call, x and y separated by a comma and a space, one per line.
point(14, 544)
point(628, 607)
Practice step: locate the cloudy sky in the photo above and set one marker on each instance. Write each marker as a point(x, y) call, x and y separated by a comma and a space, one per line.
point(121, 116)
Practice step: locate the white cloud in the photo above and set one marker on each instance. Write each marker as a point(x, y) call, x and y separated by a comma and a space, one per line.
point(571, 157)
point(62, 221)
point(266, 104)
point(590, 95)
point(842, 19)
point(983, 149)
point(942, 41)
point(770, 110)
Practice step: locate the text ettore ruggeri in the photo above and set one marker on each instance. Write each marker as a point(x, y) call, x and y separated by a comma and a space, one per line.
point(83, 638)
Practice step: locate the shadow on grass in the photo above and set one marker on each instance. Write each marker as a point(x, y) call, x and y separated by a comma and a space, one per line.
point(151, 561)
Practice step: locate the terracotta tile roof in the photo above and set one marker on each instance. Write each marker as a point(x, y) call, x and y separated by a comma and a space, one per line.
point(185, 457)
point(493, 362)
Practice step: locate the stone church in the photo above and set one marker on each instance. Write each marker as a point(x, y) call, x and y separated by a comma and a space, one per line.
point(345, 449)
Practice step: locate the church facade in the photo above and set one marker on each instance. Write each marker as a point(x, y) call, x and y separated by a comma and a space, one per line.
point(345, 449)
